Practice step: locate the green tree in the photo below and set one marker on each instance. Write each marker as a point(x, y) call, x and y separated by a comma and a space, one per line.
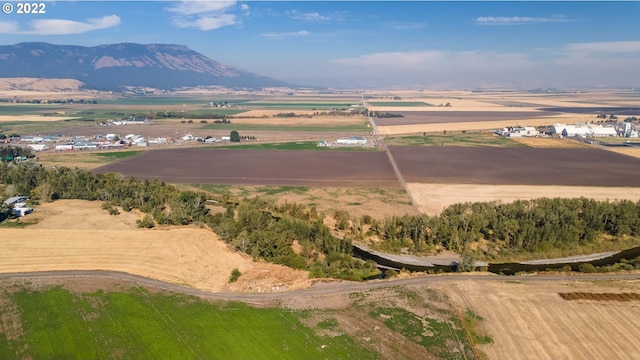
point(234, 136)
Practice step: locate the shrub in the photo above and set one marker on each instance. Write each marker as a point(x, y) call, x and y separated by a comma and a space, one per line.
point(235, 274)
point(146, 222)
point(587, 268)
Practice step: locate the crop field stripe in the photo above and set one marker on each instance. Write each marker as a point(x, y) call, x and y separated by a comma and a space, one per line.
point(281, 127)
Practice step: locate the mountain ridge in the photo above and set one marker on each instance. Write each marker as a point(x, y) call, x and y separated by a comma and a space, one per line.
point(115, 66)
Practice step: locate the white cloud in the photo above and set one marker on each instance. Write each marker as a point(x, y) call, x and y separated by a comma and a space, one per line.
point(608, 47)
point(403, 26)
point(60, 26)
point(245, 9)
point(518, 20)
point(206, 23)
point(200, 7)
point(8, 27)
point(315, 16)
point(286, 34)
point(204, 15)
point(454, 68)
point(571, 65)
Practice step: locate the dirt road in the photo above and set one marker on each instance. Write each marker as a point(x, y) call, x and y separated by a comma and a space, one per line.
point(318, 289)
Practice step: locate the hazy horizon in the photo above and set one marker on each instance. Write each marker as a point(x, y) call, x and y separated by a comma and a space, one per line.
point(363, 44)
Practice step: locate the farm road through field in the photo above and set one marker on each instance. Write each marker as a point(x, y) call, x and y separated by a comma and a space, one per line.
point(319, 289)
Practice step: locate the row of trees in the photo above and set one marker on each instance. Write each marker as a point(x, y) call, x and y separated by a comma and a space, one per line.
point(533, 226)
point(261, 229)
point(10, 153)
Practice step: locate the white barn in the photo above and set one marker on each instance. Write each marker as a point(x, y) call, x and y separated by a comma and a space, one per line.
point(352, 140)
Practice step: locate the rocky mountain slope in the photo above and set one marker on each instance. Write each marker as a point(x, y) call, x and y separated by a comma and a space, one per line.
point(112, 67)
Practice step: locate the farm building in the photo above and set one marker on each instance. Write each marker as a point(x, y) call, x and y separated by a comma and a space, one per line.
point(65, 147)
point(21, 209)
point(352, 140)
point(39, 147)
point(518, 131)
point(15, 200)
point(583, 130)
point(83, 145)
point(32, 139)
point(324, 143)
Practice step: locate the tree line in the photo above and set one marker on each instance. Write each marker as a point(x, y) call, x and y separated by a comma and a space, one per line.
point(257, 227)
point(532, 226)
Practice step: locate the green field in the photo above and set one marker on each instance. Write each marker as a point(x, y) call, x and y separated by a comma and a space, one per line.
point(298, 145)
point(32, 109)
point(302, 105)
point(399, 103)
point(40, 127)
point(118, 155)
point(106, 113)
point(138, 324)
point(169, 100)
point(463, 139)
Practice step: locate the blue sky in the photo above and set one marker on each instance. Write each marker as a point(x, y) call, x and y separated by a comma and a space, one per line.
point(418, 44)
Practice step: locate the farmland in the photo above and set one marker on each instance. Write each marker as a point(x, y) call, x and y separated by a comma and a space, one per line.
point(138, 323)
point(264, 167)
point(449, 164)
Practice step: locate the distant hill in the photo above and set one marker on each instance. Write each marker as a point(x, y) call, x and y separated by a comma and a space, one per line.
point(112, 67)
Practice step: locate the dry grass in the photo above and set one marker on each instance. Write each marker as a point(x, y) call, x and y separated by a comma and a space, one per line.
point(529, 320)
point(634, 151)
point(550, 142)
point(79, 235)
point(431, 199)
point(15, 86)
point(11, 118)
point(462, 126)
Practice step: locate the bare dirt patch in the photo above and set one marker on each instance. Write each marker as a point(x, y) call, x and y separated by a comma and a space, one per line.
point(530, 321)
point(431, 199)
point(516, 166)
point(260, 167)
point(65, 240)
point(600, 296)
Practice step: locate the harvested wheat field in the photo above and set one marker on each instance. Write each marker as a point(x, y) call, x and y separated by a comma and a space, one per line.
point(531, 320)
point(463, 126)
point(79, 235)
point(11, 118)
point(431, 199)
